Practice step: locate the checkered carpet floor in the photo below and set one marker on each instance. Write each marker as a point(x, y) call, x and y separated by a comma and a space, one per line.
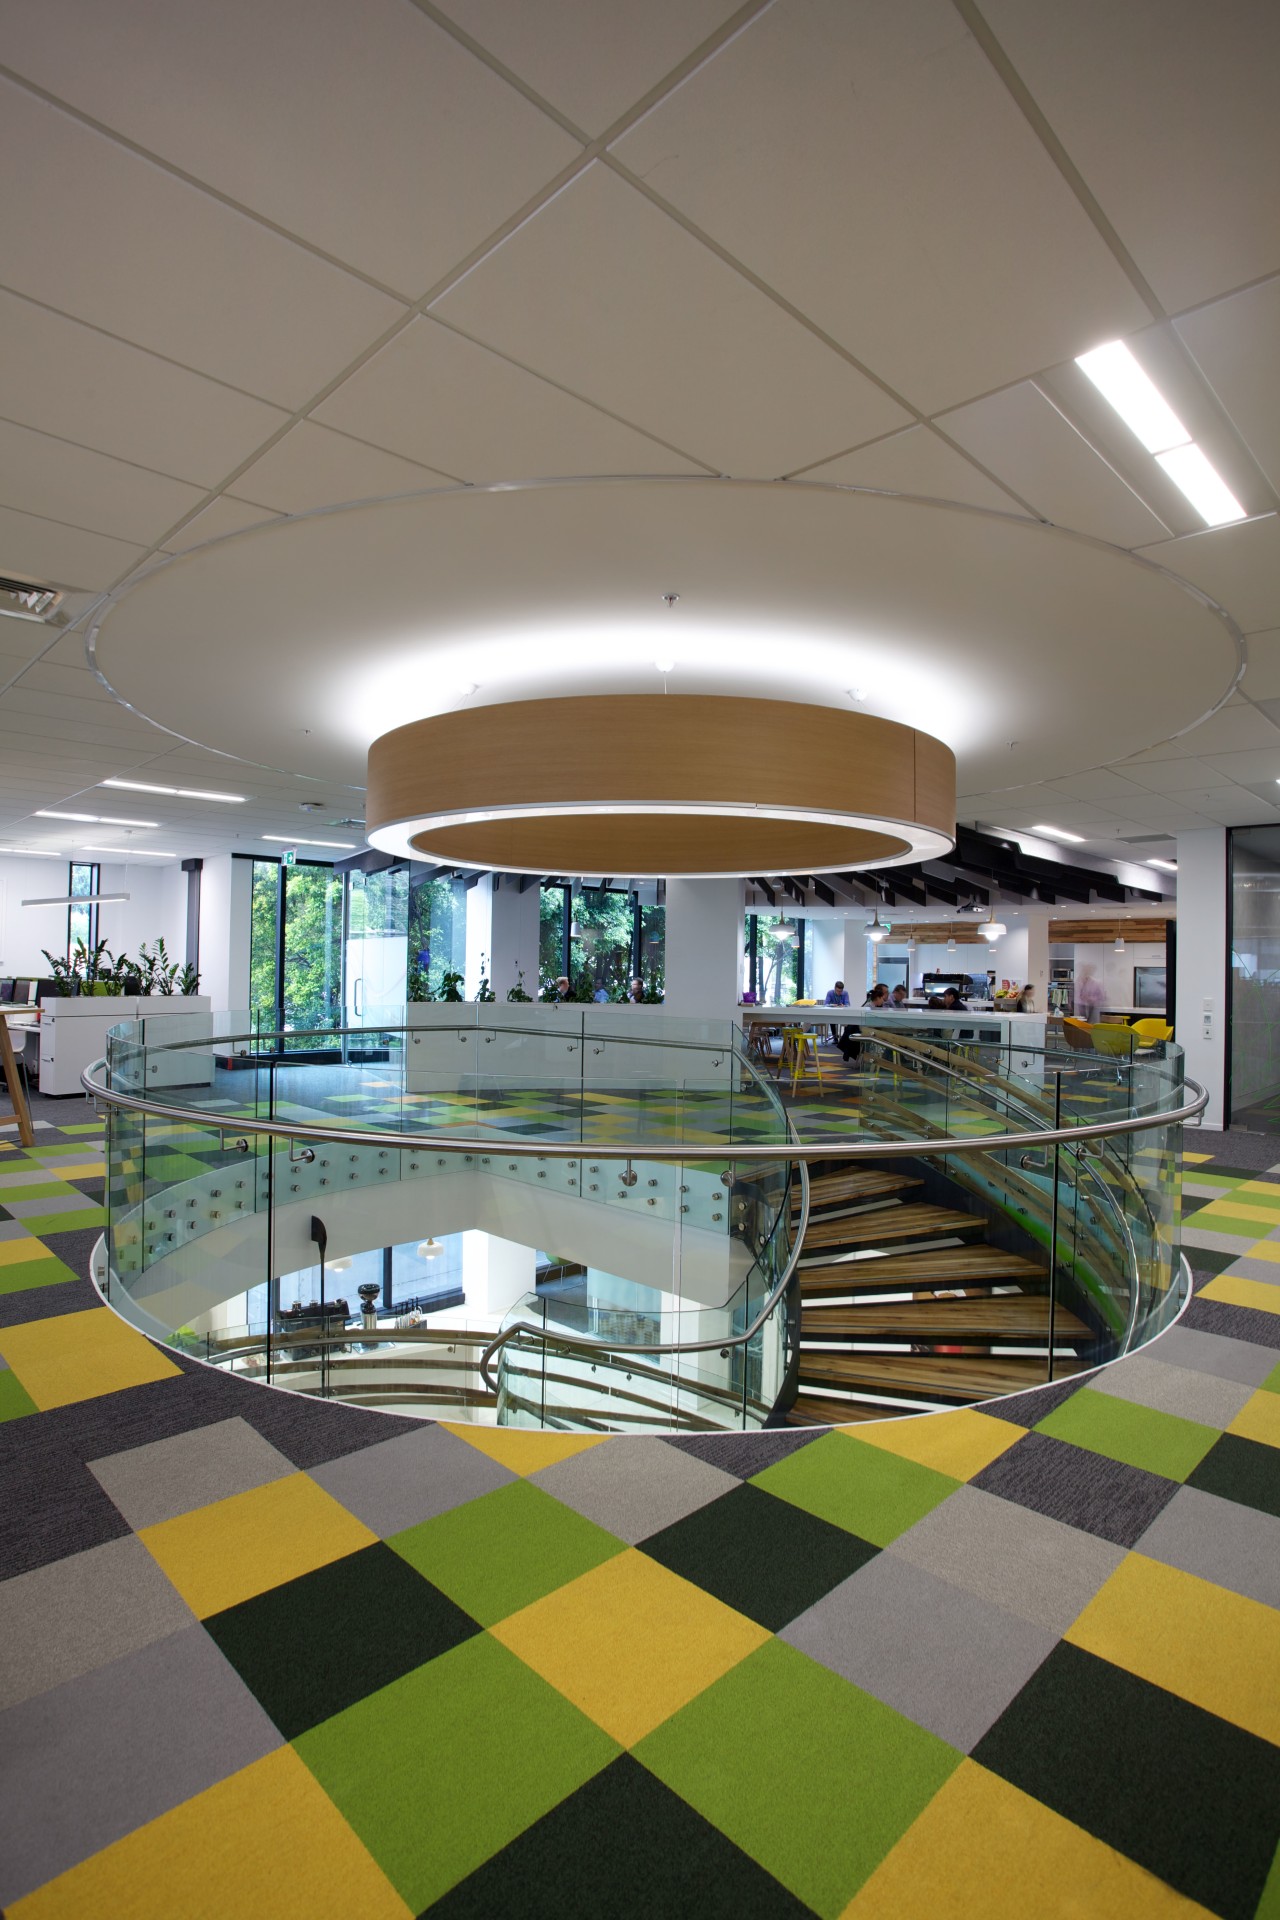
point(261, 1656)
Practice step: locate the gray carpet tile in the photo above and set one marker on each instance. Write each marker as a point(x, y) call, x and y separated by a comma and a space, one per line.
point(1219, 1540)
point(1041, 1569)
point(948, 1660)
point(411, 1477)
point(635, 1487)
point(164, 1478)
point(80, 1613)
point(105, 1753)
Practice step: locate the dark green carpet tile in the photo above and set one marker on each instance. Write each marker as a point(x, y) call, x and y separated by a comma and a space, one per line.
point(762, 1556)
point(1241, 1470)
point(315, 1645)
point(623, 1847)
point(1095, 1743)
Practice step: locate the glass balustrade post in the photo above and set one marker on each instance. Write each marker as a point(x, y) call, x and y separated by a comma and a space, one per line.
point(1053, 1221)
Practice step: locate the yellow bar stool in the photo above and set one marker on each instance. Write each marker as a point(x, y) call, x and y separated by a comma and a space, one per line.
point(800, 1047)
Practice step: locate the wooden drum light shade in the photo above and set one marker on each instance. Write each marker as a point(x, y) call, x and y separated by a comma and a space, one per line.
point(660, 784)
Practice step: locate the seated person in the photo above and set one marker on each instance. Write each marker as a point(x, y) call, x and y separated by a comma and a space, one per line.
point(562, 987)
point(837, 996)
point(952, 1002)
point(898, 998)
point(635, 992)
point(877, 1001)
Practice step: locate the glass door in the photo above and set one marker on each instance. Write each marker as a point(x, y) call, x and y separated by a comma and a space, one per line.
point(375, 945)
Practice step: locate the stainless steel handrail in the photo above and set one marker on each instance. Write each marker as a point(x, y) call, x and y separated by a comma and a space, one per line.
point(637, 1150)
point(792, 1149)
point(578, 1342)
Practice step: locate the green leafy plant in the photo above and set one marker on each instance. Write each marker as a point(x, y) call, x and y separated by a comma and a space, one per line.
point(451, 985)
point(62, 973)
point(157, 973)
point(417, 984)
point(517, 992)
point(188, 981)
point(485, 990)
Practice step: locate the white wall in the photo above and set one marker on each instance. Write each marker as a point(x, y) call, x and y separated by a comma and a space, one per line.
point(828, 938)
point(156, 907)
point(1202, 962)
point(226, 894)
point(25, 930)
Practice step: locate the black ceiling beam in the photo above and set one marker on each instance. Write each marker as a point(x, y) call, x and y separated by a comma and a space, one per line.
point(767, 891)
point(823, 891)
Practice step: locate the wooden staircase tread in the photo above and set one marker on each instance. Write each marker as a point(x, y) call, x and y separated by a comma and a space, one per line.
point(829, 1189)
point(938, 1377)
point(910, 1222)
point(930, 1267)
point(815, 1411)
point(1001, 1318)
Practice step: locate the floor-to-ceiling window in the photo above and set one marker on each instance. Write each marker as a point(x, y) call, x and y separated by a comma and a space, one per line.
point(83, 878)
point(774, 952)
point(602, 938)
point(264, 938)
point(295, 943)
point(436, 909)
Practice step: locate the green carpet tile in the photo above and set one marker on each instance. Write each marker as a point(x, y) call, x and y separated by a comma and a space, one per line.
point(261, 1655)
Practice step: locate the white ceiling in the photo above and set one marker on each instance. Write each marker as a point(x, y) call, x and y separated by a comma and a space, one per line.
point(260, 261)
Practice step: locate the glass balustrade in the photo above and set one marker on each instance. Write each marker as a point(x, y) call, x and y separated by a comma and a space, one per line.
point(666, 1165)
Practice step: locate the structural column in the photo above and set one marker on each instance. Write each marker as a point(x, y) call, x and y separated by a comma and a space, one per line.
point(1203, 910)
point(513, 930)
point(704, 948)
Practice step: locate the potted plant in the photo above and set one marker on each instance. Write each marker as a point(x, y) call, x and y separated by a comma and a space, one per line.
point(517, 992)
point(451, 986)
point(485, 991)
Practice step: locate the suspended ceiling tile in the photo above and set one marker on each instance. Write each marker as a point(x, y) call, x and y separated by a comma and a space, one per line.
point(1235, 342)
point(898, 196)
point(70, 380)
point(1248, 769)
point(916, 462)
point(1167, 107)
point(590, 58)
point(604, 294)
point(1021, 436)
point(367, 131)
point(224, 515)
point(1173, 813)
point(1100, 785)
point(1262, 675)
point(443, 400)
point(1233, 807)
point(1171, 776)
point(161, 264)
point(63, 556)
point(315, 467)
point(59, 481)
point(1239, 566)
point(77, 681)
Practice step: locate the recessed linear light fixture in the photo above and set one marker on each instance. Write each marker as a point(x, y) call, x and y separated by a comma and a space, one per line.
point(127, 853)
point(1145, 411)
point(1170, 866)
point(92, 819)
point(37, 853)
point(292, 840)
point(184, 793)
point(1060, 833)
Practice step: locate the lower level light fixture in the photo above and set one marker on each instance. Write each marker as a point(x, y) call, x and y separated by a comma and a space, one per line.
point(661, 784)
point(429, 1249)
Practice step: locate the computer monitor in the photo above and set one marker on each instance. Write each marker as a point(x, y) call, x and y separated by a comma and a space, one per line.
point(24, 992)
point(6, 989)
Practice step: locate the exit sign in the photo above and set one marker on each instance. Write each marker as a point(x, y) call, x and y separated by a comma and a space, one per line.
point(290, 857)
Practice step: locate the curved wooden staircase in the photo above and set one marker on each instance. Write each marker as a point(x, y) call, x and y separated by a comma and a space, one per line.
point(904, 1301)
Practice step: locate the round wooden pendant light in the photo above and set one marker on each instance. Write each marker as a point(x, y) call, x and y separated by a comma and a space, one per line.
point(660, 784)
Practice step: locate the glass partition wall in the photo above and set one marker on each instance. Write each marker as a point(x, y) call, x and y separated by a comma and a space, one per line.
point(1254, 855)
